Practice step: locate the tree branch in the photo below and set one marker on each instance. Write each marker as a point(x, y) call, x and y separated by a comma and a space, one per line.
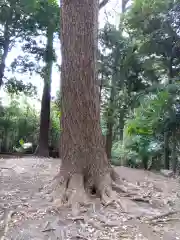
point(103, 3)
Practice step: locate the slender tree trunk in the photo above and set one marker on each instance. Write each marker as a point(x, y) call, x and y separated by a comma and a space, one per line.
point(101, 87)
point(115, 78)
point(110, 121)
point(174, 155)
point(171, 75)
point(111, 108)
point(84, 161)
point(43, 146)
point(121, 123)
point(166, 134)
point(166, 150)
point(109, 138)
point(145, 162)
point(5, 52)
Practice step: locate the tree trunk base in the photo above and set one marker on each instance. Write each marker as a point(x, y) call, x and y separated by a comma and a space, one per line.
point(75, 192)
point(41, 152)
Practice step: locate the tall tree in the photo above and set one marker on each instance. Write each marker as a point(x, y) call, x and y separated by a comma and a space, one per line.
point(156, 23)
point(13, 17)
point(117, 53)
point(51, 26)
point(43, 146)
point(46, 27)
point(84, 162)
point(14, 27)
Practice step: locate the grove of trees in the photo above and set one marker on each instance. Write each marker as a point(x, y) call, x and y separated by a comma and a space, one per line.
point(119, 98)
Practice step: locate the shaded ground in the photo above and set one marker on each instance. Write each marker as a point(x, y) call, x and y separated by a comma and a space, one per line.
point(26, 211)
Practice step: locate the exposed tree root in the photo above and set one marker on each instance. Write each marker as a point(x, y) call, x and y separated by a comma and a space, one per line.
point(163, 215)
point(163, 221)
point(75, 192)
point(121, 186)
point(140, 199)
point(107, 194)
point(7, 218)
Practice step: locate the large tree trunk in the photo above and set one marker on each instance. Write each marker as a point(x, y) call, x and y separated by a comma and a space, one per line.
point(84, 161)
point(43, 145)
point(81, 138)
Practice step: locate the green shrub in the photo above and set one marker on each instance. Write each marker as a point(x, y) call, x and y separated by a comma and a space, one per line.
point(124, 156)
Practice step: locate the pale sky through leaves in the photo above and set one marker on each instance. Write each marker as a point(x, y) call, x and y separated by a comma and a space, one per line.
point(110, 11)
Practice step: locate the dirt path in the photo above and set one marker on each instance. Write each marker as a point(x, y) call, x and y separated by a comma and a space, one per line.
point(26, 211)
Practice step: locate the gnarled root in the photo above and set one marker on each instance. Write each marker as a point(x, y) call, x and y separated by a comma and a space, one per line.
point(75, 192)
point(107, 194)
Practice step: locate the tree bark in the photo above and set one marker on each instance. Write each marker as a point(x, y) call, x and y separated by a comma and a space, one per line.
point(109, 137)
point(174, 155)
point(111, 108)
point(84, 161)
point(43, 146)
point(103, 3)
point(121, 124)
point(166, 150)
point(5, 52)
point(145, 162)
point(166, 134)
point(81, 138)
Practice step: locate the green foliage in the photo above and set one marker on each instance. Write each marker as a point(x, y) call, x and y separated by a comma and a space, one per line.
point(48, 8)
point(22, 22)
point(156, 24)
point(14, 86)
point(36, 52)
point(145, 146)
point(55, 124)
point(158, 112)
point(124, 156)
point(19, 124)
point(14, 16)
point(150, 115)
point(27, 23)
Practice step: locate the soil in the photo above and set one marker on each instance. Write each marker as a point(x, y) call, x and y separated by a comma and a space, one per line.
point(27, 210)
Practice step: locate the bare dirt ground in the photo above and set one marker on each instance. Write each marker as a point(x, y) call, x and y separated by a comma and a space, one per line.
point(26, 212)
